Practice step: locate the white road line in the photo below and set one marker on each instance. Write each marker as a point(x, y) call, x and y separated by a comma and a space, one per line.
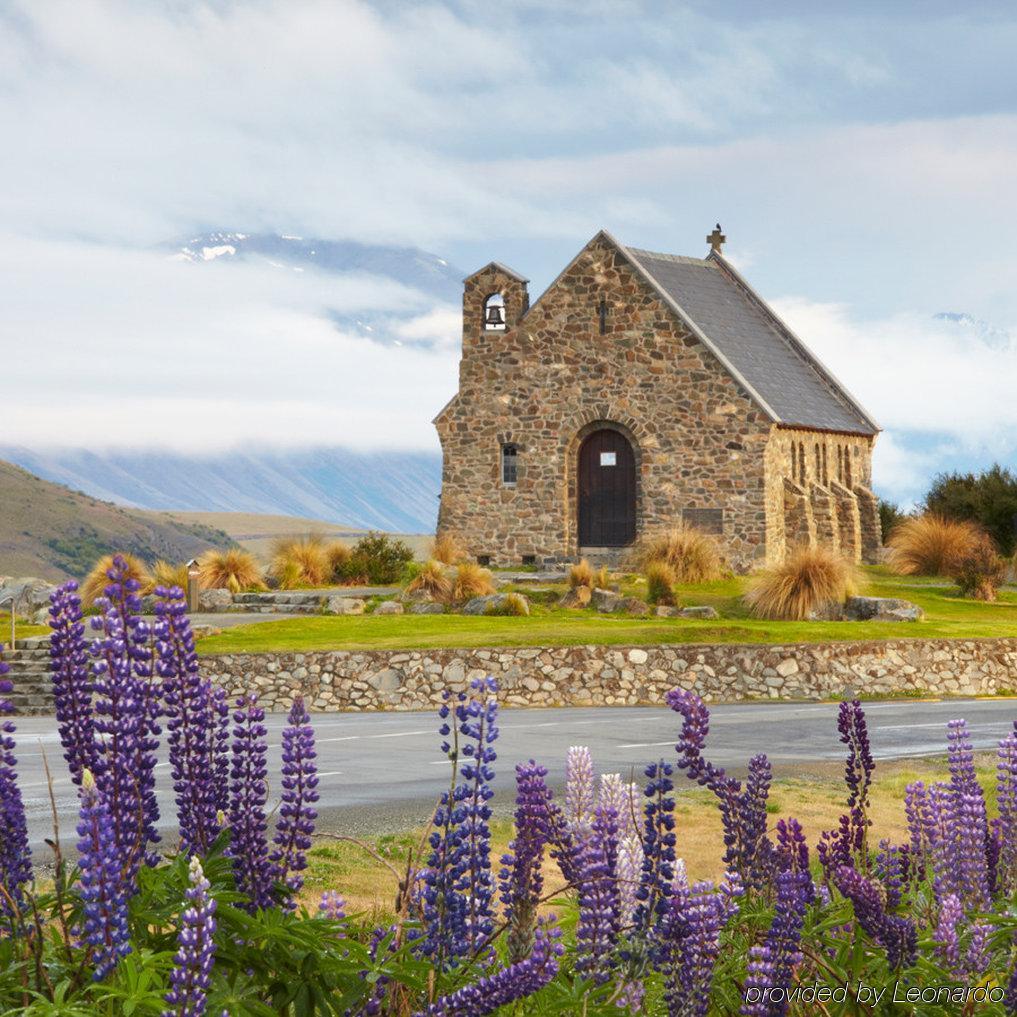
point(399, 734)
point(330, 773)
point(645, 745)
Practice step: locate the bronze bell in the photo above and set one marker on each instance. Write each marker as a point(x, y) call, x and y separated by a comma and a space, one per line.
point(495, 315)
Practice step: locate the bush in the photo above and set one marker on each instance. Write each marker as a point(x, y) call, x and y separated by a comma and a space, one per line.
point(448, 549)
point(471, 581)
point(931, 545)
point(890, 517)
point(167, 575)
point(513, 606)
point(301, 561)
point(379, 559)
point(694, 556)
point(97, 580)
point(432, 579)
point(584, 575)
point(980, 572)
point(235, 570)
point(338, 557)
point(988, 499)
point(810, 578)
point(660, 584)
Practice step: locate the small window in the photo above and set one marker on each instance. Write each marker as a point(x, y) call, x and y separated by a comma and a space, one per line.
point(602, 316)
point(801, 462)
point(819, 463)
point(529, 559)
point(509, 464)
point(494, 313)
point(484, 559)
point(826, 472)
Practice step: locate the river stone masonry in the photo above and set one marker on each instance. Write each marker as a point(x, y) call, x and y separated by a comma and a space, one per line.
point(615, 676)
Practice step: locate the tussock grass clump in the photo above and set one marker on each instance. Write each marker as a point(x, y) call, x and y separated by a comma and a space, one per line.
point(660, 582)
point(301, 561)
point(95, 583)
point(931, 545)
point(584, 575)
point(471, 580)
point(167, 574)
point(694, 556)
point(432, 579)
point(448, 549)
point(513, 605)
point(234, 569)
point(981, 571)
point(810, 578)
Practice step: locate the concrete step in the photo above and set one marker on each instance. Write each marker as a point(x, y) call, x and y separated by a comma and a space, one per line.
point(612, 557)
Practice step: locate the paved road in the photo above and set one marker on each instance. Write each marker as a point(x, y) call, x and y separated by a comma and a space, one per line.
point(382, 772)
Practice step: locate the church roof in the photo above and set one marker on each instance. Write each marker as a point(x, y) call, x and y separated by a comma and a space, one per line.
point(750, 340)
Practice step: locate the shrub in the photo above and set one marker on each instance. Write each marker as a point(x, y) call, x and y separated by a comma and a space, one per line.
point(660, 583)
point(694, 556)
point(338, 557)
point(810, 578)
point(448, 549)
point(584, 575)
point(95, 583)
point(890, 517)
point(980, 571)
point(471, 581)
point(931, 545)
point(301, 561)
point(988, 499)
point(235, 570)
point(380, 559)
point(433, 579)
point(166, 574)
point(512, 605)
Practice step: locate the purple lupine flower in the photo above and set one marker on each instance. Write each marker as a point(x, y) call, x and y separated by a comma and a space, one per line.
point(332, 906)
point(102, 885)
point(72, 682)
point(916, 809)
point(248, 795)
point(191, 725)
point(1006, 828)
point(659, 840)
point(599, 902)
point(771, 965)
point(382, 936)
point(897, 935)
point(15, 855)
point(521, 878)
point(124, 705)
point(1011, 993)
point(517, 981)
point(297, 813)
point(630, 868)
point(625, 799)
point(792, 854)
point(579, 791)
point(978, 958)
point(195, 956)
point(743, 812)
point(222, 751)
point(689, 938)
point(951, 919)
point(891, 870)
point(858, 770)
point(970, 829)
point(456, 899)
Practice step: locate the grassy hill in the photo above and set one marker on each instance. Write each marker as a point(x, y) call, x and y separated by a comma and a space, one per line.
point(50, 531)
point(257, 532)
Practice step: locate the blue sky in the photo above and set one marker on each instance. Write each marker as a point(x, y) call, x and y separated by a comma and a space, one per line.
point(859, 156)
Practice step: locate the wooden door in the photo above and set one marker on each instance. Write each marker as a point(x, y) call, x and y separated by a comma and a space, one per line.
point(607, 490)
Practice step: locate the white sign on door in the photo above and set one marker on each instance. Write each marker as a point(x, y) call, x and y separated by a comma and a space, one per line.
point(608, 458)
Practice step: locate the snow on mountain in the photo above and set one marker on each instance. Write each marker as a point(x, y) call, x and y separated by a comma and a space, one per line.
point(990, 335)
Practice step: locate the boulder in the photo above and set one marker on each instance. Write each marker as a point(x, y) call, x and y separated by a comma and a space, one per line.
point(30, 593)
point(882, 609)
point(632, 605)
point(41, 616)
point(704, 611)
point(666, 611)
point(432, 608)
point(212, 601)
point(609, 602)
point(389, 607)
point(492, 604)
point(577, 597)
point(345, 605)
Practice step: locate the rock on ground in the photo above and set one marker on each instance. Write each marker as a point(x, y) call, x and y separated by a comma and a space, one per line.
point(345, 605)
point(389, 607)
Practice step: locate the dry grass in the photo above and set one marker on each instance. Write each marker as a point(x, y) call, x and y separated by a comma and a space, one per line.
point(167, 574)
point(931, 545)
point(694, 556)
point(660, 581)
point(234, 570)
point(95, 583)
point(810, 578)
point(301, 561)
point(513, 606)
point(471, 581)
point(980, 572)
point(433, 579)
point(583, 575)
point(448, 549)
point(337, 558)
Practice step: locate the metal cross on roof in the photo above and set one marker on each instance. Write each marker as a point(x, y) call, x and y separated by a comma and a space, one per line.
point(716, 239)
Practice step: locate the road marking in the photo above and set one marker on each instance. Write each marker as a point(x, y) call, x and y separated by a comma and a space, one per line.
point(399, 734)
point(645, 745)
point(330, 773)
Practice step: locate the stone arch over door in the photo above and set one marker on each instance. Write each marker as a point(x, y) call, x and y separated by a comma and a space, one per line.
point(639, 441)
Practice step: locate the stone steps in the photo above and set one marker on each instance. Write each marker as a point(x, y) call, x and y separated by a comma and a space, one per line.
point(29, 673)
point(612, 557)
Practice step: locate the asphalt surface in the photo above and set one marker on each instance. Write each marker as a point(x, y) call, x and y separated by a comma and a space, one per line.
point(382, 772)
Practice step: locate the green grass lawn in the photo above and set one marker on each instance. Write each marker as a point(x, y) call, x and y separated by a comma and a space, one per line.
point(948, 616)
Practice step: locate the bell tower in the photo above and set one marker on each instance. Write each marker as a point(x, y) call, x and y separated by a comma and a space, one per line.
point(494, 299)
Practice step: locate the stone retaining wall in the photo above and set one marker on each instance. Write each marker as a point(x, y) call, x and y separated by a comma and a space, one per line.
point(617, 675)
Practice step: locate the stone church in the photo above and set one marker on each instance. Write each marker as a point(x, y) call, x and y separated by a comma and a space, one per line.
point(641, 389)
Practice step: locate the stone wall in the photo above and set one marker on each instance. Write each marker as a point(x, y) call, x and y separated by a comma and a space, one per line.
point(605, 675)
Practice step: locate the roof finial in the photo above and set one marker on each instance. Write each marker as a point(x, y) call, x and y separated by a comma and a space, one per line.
point(716, 240)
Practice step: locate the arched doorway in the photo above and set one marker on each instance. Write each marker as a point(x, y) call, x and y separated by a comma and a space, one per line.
point(606, 490)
